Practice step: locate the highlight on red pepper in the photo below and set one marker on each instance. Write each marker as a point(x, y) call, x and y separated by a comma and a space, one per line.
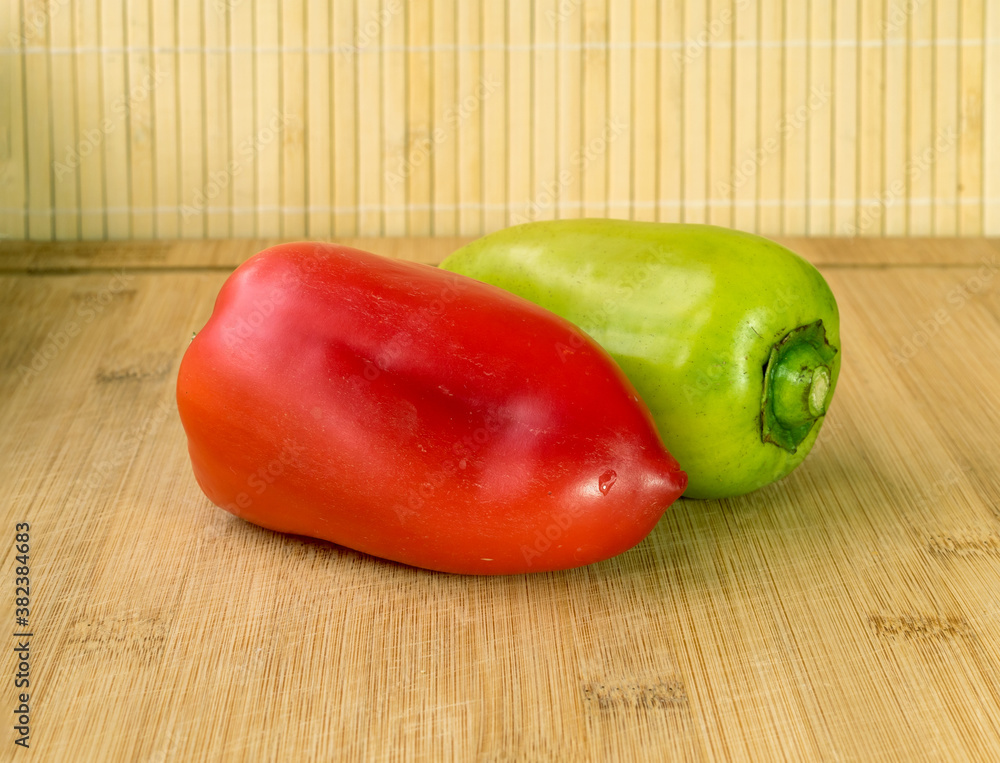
point(417, 415)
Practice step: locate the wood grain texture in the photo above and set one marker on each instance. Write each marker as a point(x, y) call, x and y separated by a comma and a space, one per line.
point(220, 118)
point(846, 613)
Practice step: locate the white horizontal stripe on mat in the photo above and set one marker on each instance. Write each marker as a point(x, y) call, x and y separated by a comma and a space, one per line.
point(693, 44)
point(514, 207)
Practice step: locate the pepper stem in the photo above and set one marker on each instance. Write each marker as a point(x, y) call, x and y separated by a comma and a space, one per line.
point(797, 385)
point(818, 390)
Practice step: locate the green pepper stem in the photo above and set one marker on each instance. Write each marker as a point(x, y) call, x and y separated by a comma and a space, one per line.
point(819, 388)
point(797, 385)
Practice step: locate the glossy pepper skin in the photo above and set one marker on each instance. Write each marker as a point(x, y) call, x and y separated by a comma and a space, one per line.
point(731, 339)
point(418, 416)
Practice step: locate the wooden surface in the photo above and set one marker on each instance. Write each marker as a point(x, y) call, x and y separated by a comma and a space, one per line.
point(308, 118)
point(848, 613)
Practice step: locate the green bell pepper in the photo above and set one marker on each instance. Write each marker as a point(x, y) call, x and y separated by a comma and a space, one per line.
point(732, 340)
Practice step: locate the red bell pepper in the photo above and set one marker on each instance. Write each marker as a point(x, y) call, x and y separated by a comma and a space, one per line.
point(417, 415)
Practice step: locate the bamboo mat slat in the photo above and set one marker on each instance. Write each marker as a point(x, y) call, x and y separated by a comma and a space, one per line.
point(848, 612)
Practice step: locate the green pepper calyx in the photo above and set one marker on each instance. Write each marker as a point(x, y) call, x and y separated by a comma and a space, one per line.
point(797, 385)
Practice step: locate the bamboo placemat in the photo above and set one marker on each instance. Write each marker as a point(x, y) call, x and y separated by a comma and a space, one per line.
point(849, 612)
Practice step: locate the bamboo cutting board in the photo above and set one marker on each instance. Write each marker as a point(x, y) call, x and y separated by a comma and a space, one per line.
point(850, 612)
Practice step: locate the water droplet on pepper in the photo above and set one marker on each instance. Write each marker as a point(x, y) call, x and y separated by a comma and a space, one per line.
point(607, 480)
